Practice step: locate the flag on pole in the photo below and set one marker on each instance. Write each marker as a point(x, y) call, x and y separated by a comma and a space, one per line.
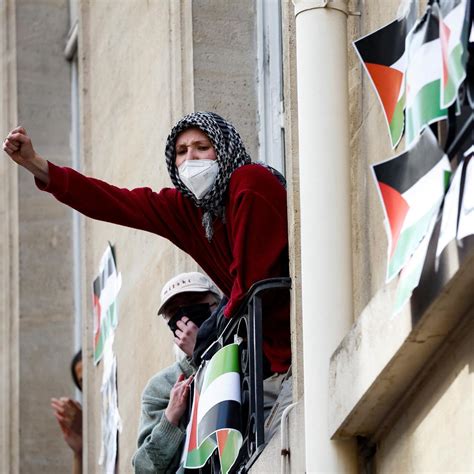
point(411, 188)
point(423, 76)
point(384, 57)
point(216, 416)
point(454, 30)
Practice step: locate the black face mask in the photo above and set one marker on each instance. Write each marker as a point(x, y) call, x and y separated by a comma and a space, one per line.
point(197, 313)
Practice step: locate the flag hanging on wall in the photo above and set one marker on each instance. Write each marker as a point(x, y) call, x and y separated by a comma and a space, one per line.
point(384, 58)
point(411, 273)
point(215, 416)
point(454, 30)
point(411, 188)
point(105, 289)
point(417, 68)
point(449, 220)
point(423, 76)
point(466, 207)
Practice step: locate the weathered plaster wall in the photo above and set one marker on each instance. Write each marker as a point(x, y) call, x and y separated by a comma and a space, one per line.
point(434, 432)
point(9, 311)
point(46, 303)
point(135, 80)
point(225, 62)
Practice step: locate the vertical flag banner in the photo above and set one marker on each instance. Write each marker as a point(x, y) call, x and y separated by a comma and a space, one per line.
point(384, 58)
point(110, 417)
point(215, 417)
point(453, 31)
point(449, 221)
point(411, 274)
point(105, 289)
point(411, 187)
point(423, 76)
point(466, 211)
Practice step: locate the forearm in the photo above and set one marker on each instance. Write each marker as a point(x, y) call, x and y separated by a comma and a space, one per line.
point(77, 463)
point(38, 167)
point(139, 208)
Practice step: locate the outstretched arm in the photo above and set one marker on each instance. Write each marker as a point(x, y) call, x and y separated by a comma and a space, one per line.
point(19, 148)
point(139, 208)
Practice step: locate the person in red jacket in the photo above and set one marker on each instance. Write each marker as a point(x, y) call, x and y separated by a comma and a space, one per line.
point(226, 212)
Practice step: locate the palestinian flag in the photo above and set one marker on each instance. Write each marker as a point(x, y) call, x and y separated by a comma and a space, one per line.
point(466, 208)
point(411, 187)
point(411, 274)
point(449, 221)
point(216, 415)
point(453, 31)
point(384, 58)
point(423, 76)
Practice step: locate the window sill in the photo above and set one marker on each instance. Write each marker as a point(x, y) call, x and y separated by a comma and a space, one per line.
point(380, 361)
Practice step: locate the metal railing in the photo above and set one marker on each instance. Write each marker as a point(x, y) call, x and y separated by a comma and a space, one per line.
point(246, 327)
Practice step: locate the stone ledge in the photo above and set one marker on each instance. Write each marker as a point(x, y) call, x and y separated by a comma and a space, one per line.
point(379, 360)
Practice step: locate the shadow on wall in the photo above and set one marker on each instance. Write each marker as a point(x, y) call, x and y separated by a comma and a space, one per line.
point(439, 414)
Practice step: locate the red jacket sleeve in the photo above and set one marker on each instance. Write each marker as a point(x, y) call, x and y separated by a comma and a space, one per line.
point(257, 218)
point(139, 208)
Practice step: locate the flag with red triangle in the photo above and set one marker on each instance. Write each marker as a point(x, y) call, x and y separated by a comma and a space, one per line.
point(215, 416)
point(384, 57)
point(411, 188)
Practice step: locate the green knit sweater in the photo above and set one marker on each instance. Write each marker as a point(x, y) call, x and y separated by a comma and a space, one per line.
point(158, 440)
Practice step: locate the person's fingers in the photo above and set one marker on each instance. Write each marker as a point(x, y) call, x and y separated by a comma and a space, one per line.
point(191, 326)
point(186, 325)
point(61, 419)
point(59, 410)
point(181, 324)
point(9, 151)
point(11, 144)
point(19, 129)
point(178, 333)
point(19, 137)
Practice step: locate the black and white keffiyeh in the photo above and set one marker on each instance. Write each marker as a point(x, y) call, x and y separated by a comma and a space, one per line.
point(230, 153)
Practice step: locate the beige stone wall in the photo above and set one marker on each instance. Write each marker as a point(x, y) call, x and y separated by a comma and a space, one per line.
point(9, 313)
point(225, 62)
point(434, 431)
point(129, 100)
point(45, 334)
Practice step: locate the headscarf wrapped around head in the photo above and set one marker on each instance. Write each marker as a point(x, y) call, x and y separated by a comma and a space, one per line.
point(230, 153)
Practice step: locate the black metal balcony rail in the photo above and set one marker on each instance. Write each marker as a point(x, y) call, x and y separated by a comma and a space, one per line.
point(246, 328)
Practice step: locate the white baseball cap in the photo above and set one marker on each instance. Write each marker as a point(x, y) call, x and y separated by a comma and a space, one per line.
point(184, 282)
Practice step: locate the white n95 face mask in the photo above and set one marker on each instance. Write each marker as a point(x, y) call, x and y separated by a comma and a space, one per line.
point(198, 175)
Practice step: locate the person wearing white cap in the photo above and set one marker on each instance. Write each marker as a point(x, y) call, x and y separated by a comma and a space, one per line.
point(186, 301)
